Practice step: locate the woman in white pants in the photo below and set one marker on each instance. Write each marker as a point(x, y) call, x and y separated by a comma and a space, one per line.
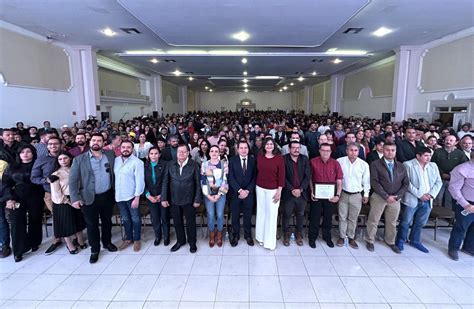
point(270, 181)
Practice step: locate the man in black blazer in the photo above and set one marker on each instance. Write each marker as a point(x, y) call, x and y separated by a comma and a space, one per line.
point(295, 193)
point(341, 149)
point(406, 148)
point(242, 178)
point(171, 151)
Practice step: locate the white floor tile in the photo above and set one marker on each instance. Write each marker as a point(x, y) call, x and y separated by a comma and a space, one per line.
point(136, 288)
point(89, 304)
point(231, 305)
point(67, 264)
point(39, 264)
point(319, 266)
point(104, 288)
point(290, 266)
point(375, 266)
point(403, 266)
point(40, 287)
point(125, 305)
point(337, 306)
point(431, 267)
point(265, 289)
point(150, 265)
point(233, 289)
point(291, 250)
point(168, 288)
point(241, 249)
point(200, 288)
point(87, 268)
point(362, 290)
point(206, 265)
point(306, 250)
point(347, 266)
point(235, 265)
point(262, 265)
point(178, 265)
point(73, 287)
point(23, 304)
point(427, 291)
point(12, 284)
point(161, 305)
point(267, 305)
point(330, 290)
point(457, 289)
point(394, 290)
point(56, 304)
point(297, 289)
point(122, 265)
point(196, 305)
point(301, 305)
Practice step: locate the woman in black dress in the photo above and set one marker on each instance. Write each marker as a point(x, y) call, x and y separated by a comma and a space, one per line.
point(25, 202)
point(68, 221)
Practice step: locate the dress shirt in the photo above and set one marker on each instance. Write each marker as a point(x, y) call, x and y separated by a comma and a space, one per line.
point(60, 188)
point(101, 169)
point(242, 162)
point(129, 178)
point(328, 172)
point(467, 153)
point(424, 180)
point(356, 175)
point(182, 165)
point(461, 185)
point(41, 150)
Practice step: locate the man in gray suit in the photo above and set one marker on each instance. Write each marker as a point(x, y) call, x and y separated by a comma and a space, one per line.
point(425, 184)
point(91, 188)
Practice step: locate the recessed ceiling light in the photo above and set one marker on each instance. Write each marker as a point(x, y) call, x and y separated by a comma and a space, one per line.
point(246, 90)
point(190, 78)
point(285, 88)
point(301, 78)
point(332, 50)
point(245, 85)
point(382, 31)
point(177, 72)
point(241, 36)
point(210, 90)
point(314, 73)
point(345, 52)
point(245, 73)
point(292, 84)
point(154, 60)
point(244, 60)
point(108, 32)
point(337, 60)
point(206, 87)
point(267, 77)
point(245, 80)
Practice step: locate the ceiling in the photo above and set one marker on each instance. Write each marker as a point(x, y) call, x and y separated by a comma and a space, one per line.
point(287, 39)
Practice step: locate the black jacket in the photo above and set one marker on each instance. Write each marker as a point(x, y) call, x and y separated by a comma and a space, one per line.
point(8, 153)
point(17, 184)
point(238, 180)
point(154, 189)
point(304, 176)
point(406, 151)
point(181, 189)
point(372, 156)
point(166, 154)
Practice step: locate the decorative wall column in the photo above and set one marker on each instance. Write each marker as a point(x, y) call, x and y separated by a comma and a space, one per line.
point(336, 93)
point(197, 101)
point(156, 94)
point(183, 99)
point(308, 99)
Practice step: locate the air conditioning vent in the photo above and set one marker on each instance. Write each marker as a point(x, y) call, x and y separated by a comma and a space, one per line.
point(130, 30)
point(170, 60)
point(353, 30)
point(317, 60)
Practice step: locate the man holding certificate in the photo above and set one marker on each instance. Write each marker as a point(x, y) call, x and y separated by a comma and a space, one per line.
point(389, 180)
point(326, 187)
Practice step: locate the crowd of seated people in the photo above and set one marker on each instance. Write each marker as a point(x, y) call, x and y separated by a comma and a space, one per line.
point(269, 161)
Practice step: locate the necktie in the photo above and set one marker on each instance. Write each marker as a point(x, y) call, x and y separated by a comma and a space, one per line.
point(390, 170)
point(244, 165)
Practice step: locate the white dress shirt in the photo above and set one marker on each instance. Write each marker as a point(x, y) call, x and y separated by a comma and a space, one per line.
point(182, 165)
point(424, 179)
point(129, 178)
point(242, 161)
point(356, 175)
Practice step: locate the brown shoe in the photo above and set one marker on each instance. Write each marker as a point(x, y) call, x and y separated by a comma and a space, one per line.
point(353, 244)
point(299, 239)
point(137, 246)
point(340, 242)
point(286, 239)
point(219, 239)
point(212, 240)
point(125, 244)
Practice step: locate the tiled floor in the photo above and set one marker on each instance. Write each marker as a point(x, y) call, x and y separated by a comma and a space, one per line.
point(241, 277)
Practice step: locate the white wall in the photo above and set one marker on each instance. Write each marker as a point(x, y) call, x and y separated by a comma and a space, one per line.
point(321, 97)
point(216, 101)
point(170, 94)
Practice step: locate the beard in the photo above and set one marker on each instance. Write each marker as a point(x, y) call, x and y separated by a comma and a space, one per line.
point(126, 154)
point(81, 143)
point(96, 147)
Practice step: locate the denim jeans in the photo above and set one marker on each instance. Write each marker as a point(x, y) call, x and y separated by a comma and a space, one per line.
point(419, 216)
point(4, 227)
point(213, 210)
point(463, 229)
point(131, 220)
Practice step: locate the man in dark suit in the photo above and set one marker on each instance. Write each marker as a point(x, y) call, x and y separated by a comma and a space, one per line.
point(170, 152)
point(341, 149)
point(406, 148)
point(295, 193)
point(378, 152)
point(91, 183)
point(242, 177)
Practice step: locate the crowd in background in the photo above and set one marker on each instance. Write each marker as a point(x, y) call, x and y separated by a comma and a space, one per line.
point(242, 159)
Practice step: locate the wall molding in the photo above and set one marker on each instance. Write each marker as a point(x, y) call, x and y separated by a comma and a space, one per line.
point(116, 66)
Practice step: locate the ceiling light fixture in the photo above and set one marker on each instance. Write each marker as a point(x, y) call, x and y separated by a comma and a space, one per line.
point(109, 32)
point(314, 73)
point(301, 78)
point(292, 84)
point(245, 73)
point(210, 90)
point(337, 60)
point(241, 36)
point(186, 52)
point(177, 72)
point(206, 87)
point(245, 80)
point(345, 52)
point(190, 78)
point(246, 90)
point(245, 85)
point(281, 90)
point(244, 60)
point(228, 52)
point(154, 60)
point(285, 88)
point(267, 77)
point(382, 31)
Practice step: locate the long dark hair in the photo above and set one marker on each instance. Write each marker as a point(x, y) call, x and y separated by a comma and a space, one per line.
point(65, 153)
point(275, 151)
point(201, 154)
point(18, 162)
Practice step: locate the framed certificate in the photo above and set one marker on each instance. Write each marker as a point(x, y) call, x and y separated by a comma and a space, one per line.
point(324, 191)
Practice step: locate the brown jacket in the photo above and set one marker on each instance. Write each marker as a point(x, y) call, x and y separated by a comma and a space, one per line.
point(380, 179)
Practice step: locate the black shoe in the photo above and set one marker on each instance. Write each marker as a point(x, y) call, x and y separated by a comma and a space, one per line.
point(453, 254)
point(34, 249)
point(84, 246)
point(111, 247)
point(53, 247)
point(166, 241)
point(370, 247)
point(312, 244)
point(157, 241)
point(234, 242)
point(75, 251)
point(75, 242)
point(249, 241)
point(395, 249)
point(176, 247)
point(192, 248)
point(18, 258)
point(94, 258)
point(330, 243)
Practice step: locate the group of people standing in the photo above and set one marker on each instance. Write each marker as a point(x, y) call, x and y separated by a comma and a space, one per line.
point(270, 169)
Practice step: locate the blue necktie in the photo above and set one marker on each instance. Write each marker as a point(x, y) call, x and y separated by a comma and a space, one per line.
point(390, 170)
